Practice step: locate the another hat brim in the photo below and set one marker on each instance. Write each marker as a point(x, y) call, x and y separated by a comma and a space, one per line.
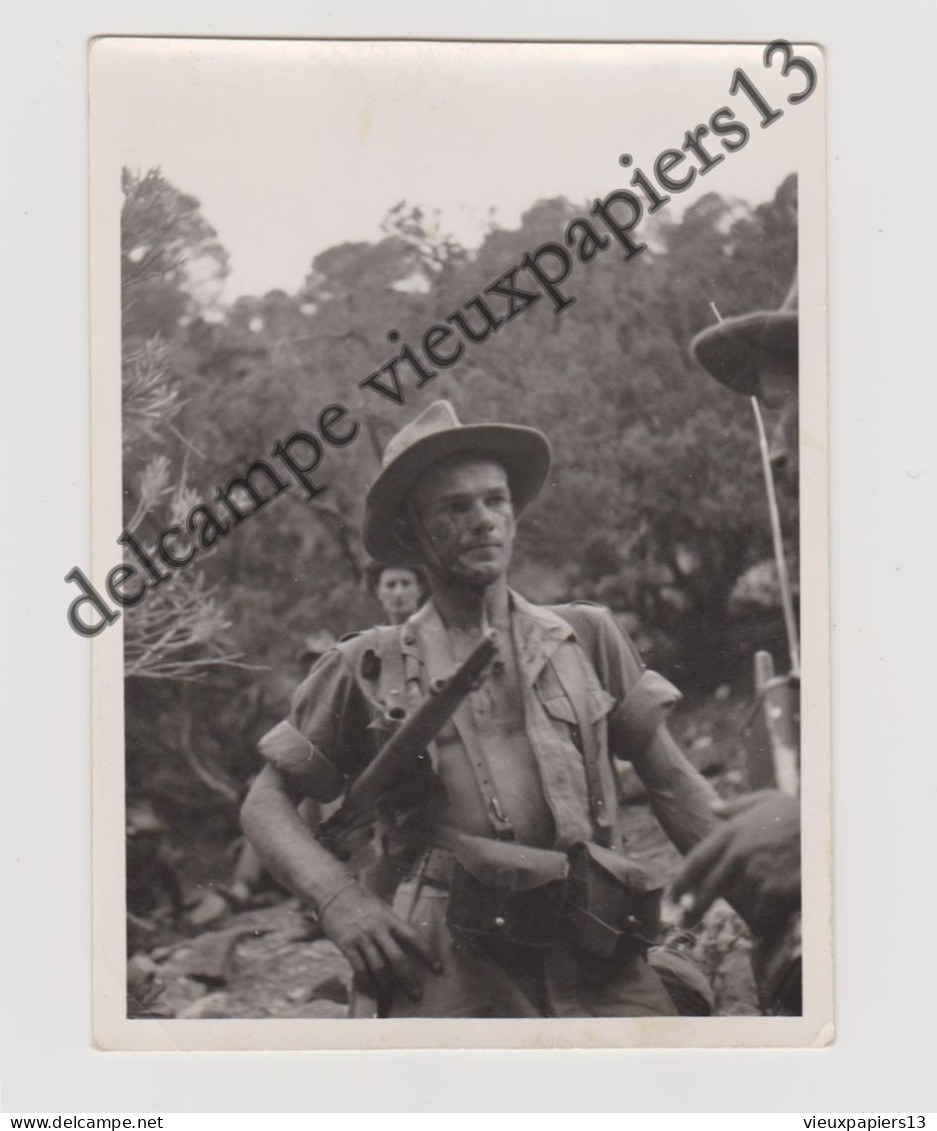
point(733, 351)
point(524, 452)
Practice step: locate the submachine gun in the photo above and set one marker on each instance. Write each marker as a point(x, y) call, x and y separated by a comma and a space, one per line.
point(352, 824)
point(411, 736)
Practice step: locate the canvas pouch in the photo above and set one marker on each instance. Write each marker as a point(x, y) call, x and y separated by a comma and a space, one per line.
point(590, 896)
point(612, 909)
point(504, 890)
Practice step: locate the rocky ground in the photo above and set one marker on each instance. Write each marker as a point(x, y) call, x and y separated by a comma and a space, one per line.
point(268, 962)
point(271, 961)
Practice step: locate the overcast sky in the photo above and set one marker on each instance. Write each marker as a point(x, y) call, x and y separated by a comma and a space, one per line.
point(293, 146)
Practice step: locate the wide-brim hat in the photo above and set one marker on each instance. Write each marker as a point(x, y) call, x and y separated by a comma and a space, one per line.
point(437, 432)
point(734, 351)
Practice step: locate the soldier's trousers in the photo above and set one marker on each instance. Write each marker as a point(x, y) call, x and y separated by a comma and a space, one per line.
point(502, 980)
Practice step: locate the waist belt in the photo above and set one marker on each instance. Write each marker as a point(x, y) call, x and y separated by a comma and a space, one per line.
point(436, 867)
point(591, 897)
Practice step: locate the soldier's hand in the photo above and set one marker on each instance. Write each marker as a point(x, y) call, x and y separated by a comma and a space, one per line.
point(753, 861)
point(378, 944)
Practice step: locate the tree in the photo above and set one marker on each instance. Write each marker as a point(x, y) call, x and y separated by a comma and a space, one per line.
point(170, 259)
point(178, 633)
point(655, 506)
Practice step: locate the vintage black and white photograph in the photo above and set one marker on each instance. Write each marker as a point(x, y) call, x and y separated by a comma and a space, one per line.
point(459, 586)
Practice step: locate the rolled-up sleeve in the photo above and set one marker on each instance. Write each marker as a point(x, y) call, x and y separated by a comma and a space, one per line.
point(643, 698)
point(325, 739)
point(680, 798)
point(645, 708)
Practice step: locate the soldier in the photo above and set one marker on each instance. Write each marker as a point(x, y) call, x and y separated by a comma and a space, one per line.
point(756, 355)
point(518, 899)
point(753, 858)
point(400, 592)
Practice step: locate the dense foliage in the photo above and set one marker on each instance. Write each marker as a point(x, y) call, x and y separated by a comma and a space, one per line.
point(656, 505)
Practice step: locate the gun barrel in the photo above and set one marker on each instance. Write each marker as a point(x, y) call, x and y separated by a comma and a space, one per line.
point(414, 733)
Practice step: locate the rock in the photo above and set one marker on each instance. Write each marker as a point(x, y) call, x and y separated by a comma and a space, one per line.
point(210, 957)
point(706, 756)
point(675, 598)
point(301, 994)
point(141, 968)
point(307, 929)
point(757, 589)
point(318, 1009)
point(181, 992)
point(333, 988)
point(143, 986)
point(212, 1005)
point(146, 991)
point(210, 909)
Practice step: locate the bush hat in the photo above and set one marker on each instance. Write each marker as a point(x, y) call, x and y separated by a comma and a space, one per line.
point(436, 433)
point(732, 351)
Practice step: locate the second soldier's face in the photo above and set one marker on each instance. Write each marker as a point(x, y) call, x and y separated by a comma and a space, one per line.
point(468, 519)
point(399, 593)
point(778, 393)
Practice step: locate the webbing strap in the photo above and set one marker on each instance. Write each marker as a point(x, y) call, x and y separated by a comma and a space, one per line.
point(392, 692)
point(577, 693)
point(481, 771)
point(392, 679)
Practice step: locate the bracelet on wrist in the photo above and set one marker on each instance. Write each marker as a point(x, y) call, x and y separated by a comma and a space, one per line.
point(320, 910)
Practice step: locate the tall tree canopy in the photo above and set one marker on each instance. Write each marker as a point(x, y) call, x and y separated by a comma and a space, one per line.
point(655, 506)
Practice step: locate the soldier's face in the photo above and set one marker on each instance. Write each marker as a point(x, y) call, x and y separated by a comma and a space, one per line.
point(467, 518)
point(399, 593)
point(777, 379)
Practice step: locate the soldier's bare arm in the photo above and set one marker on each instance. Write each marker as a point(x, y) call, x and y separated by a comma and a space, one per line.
point(284, 842)
point(680, 797)
point(376, 942)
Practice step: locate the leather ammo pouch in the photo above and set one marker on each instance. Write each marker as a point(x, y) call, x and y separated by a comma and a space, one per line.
point(612, 911)
point(504, 890)
point(596, 899)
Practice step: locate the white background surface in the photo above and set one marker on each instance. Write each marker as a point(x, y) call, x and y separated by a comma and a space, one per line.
point(339, 134)
point(880, 90)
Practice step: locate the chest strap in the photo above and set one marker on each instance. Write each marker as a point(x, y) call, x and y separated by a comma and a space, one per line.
point(481, 771)
point(392, 693)
point(578, 695)
point(392, 687)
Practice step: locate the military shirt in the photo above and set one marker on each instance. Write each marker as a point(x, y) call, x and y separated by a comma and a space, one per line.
point(574, 668)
